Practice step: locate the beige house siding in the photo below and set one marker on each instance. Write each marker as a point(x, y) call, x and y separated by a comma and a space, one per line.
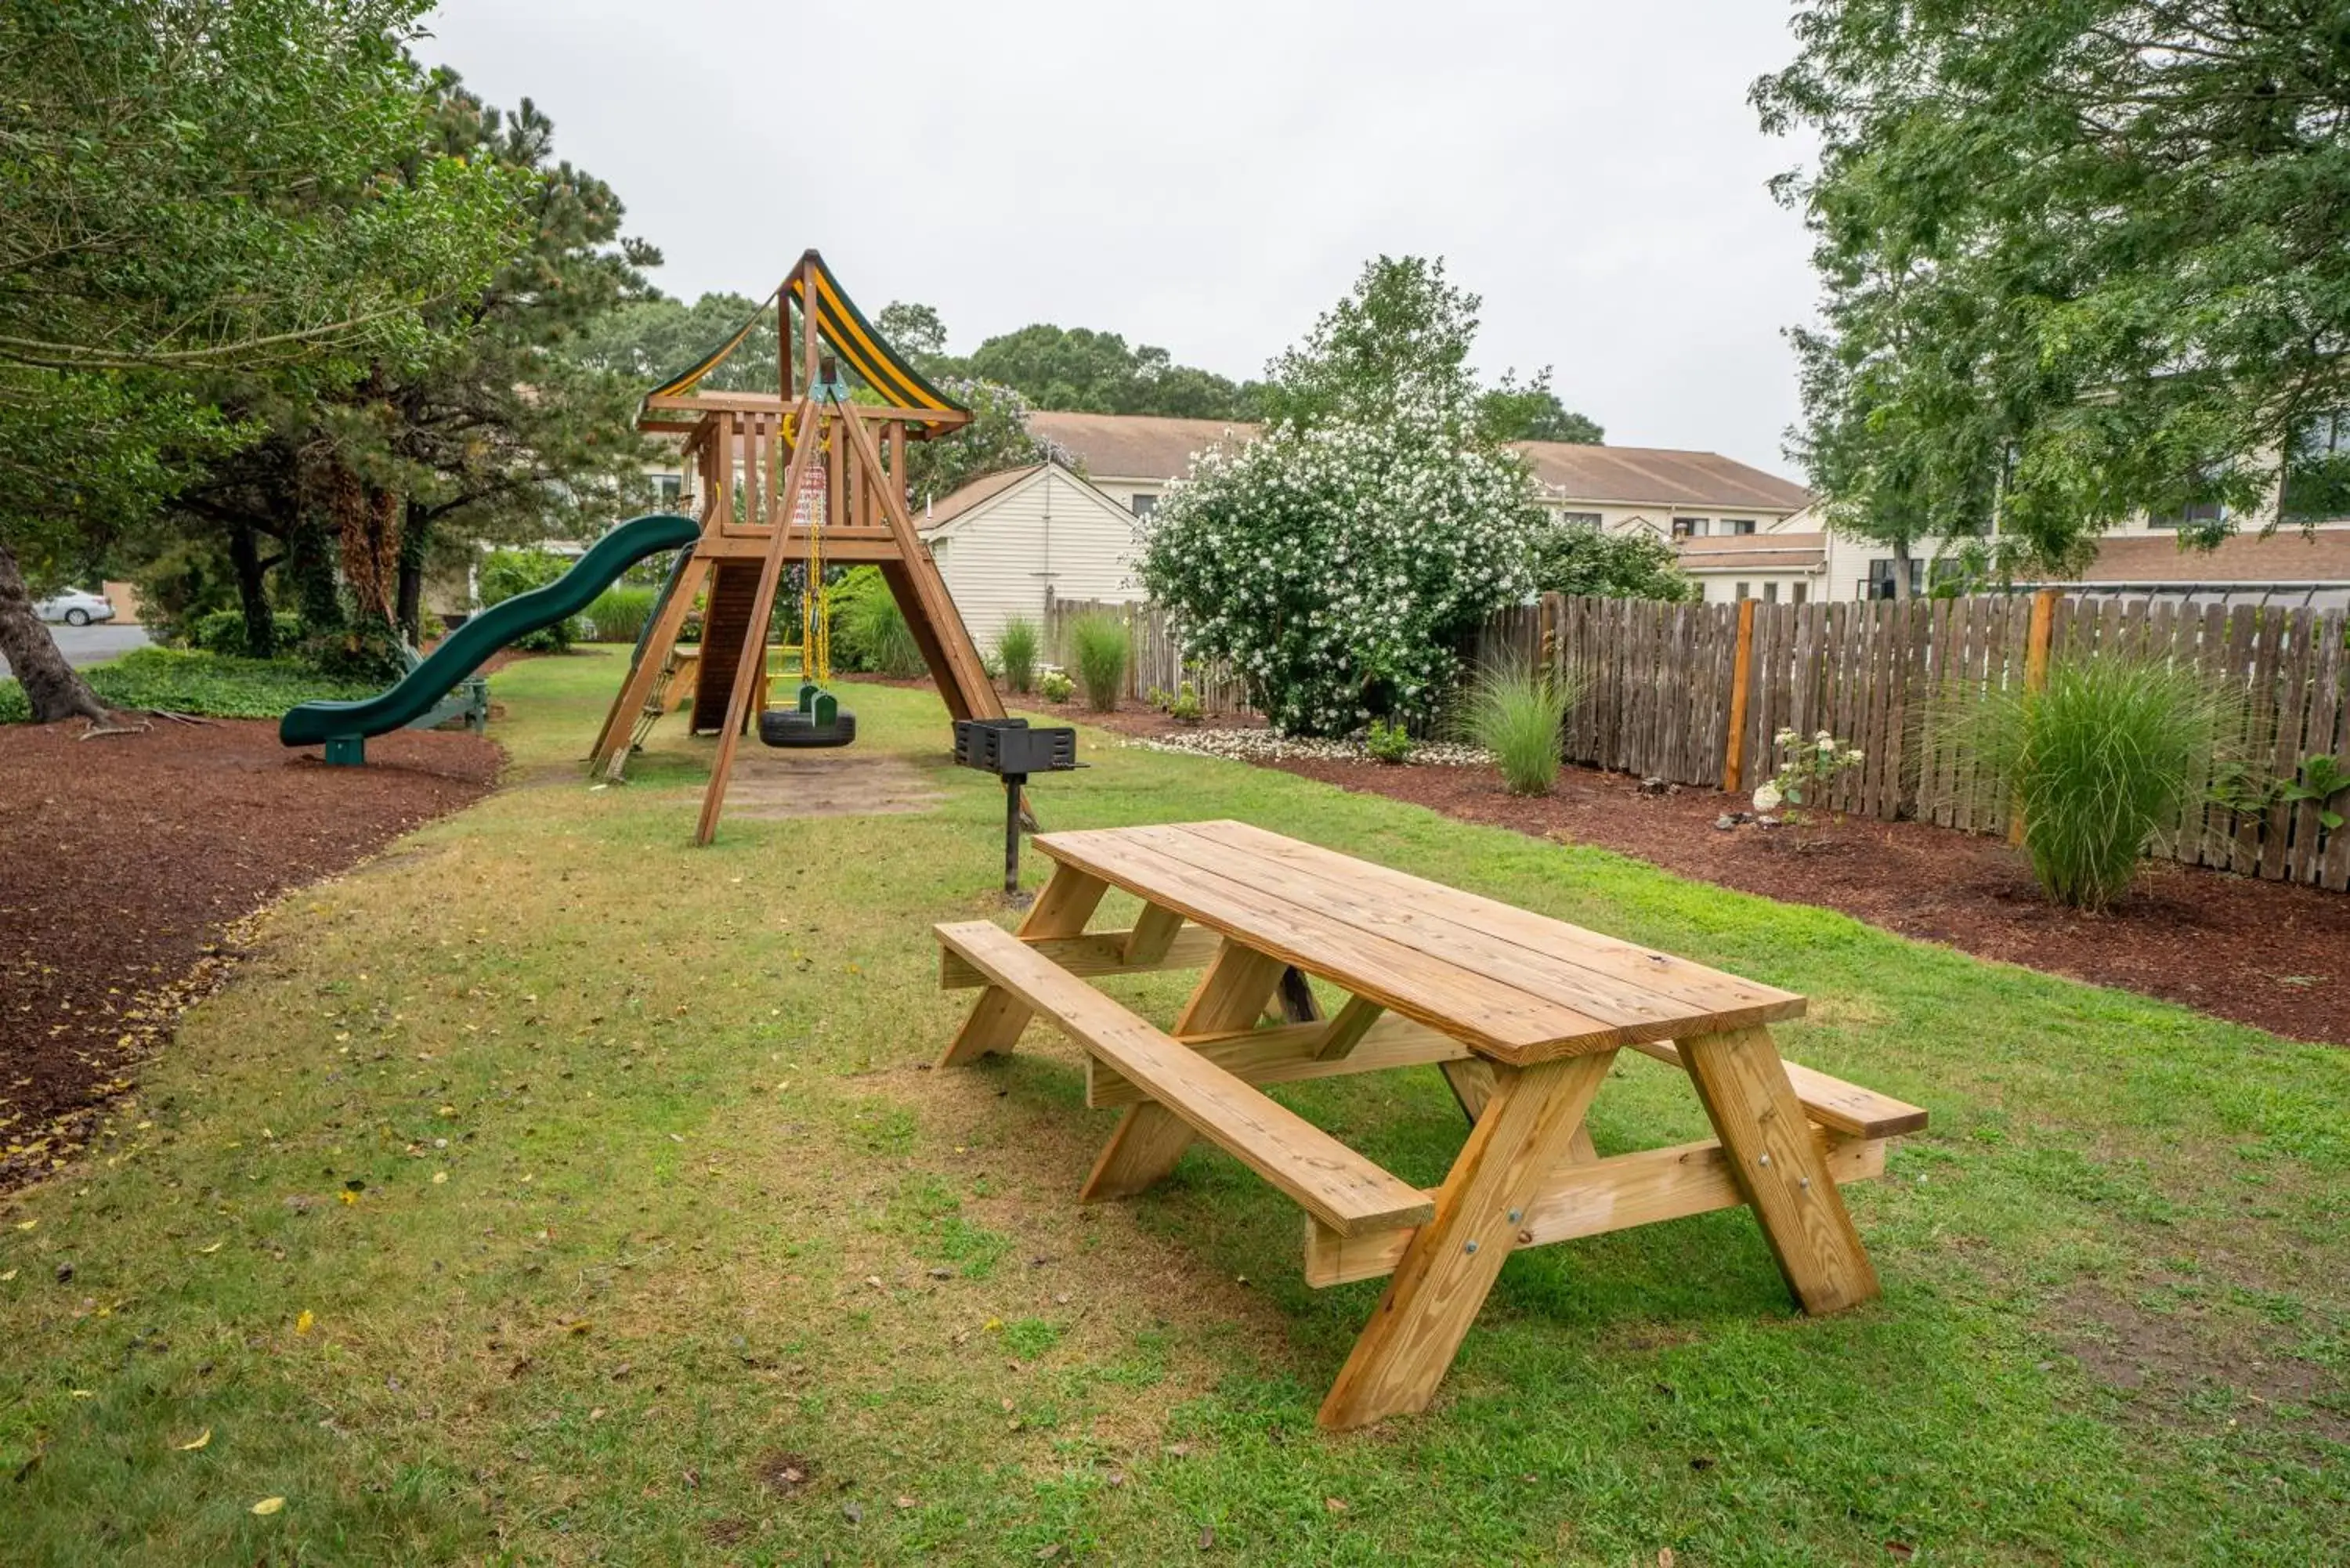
point(1049, 530)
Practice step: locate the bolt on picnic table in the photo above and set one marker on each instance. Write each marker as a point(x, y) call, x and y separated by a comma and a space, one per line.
point(1524, 1015)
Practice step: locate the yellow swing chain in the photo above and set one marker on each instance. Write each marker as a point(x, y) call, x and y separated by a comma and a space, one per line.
point(815, 622)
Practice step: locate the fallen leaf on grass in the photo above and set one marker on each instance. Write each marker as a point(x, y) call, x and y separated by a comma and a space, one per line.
point(1334, 1504)
point(26, 1224)
point(582, 1326)
point(7, 1277)
point(268, 1505)
point(302, 1323)
point(905, 1502)
point(207, 1251)
point(198, 1441)
point(439, 1177)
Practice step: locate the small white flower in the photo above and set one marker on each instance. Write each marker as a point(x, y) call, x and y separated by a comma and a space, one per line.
point(1768, 798)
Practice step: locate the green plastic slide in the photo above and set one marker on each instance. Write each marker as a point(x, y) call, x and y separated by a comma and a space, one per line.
point(343, 727)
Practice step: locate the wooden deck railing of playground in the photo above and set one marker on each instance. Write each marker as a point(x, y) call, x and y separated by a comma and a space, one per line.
point(1696, 694)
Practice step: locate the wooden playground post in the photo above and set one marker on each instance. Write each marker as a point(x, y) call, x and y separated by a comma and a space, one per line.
point(751, 663)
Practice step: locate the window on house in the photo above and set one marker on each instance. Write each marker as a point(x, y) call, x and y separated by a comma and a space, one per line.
point(667, 488)
point(2317, 478)
point(1579, 519)
point(1769, 593)
point(1800, 593)
point(1143, 503)
point(1744, 591)
point(1689, 527)
point(2196, 512)
point(1881, 579)
point(1738, 524)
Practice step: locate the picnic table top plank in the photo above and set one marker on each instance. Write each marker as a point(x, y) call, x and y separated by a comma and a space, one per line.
point(1494, 1017)
point(1596, 973)
point(1518, 986)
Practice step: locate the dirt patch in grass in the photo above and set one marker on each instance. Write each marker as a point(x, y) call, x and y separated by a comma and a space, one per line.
point(126, 863)
point(774, 784)
point(2167, 1363)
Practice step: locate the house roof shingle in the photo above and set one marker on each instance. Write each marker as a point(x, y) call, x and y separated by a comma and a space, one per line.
point(962, 499)
point(1754, 553)
point(1660, 477)
point(2287, 556)
point(1160, 447)
point(1134, 446)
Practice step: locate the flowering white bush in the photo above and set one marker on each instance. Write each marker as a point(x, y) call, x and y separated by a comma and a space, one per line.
point(1336, 566)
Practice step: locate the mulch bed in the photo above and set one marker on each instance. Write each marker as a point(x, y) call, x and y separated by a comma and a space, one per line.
point(125, 864)
point(2271, 954)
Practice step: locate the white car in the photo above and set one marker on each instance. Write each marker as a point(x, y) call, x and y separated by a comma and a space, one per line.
point(75, 608)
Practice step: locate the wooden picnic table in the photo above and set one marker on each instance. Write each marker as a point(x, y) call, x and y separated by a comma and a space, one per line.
point(1524, 1015)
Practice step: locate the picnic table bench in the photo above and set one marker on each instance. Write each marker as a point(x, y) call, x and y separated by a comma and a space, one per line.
point(1524, 1015)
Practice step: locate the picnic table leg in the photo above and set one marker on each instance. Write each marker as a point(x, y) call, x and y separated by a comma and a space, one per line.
point(1150, 1138)
point(996, 1019)
point(1779, 1167)
point(1526, 1127)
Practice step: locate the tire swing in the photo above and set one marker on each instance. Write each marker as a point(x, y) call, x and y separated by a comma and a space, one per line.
point(818, 720)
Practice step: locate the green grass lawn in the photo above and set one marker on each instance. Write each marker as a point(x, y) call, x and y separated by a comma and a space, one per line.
point(552, 1191)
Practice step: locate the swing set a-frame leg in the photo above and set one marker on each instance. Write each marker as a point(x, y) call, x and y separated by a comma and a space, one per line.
point(755, 640)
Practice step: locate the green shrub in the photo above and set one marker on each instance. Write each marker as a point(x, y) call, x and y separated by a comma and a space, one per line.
point(217, 685)
point(1387, 742)
point(1056, 687)
point(870, 631)
point(1516, 711)
point(2099, 760)
point(619, 613)
point(505, 573)
point(1015, 648)
point(1186, 708)
point(222, 631)
point(1098, 647)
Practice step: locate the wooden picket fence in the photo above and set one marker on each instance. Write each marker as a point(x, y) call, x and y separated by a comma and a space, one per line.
point(1155, 660)
point(1697, 695)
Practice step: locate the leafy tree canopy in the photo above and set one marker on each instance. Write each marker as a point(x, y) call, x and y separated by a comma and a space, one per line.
point(1339, 560)
point(645, 340)
point(2077, 259)
point(194, 189)
point(1578, 558)
point(1084, 371)
point(1403, 338)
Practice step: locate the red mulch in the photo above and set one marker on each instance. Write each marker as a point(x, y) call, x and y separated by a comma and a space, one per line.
point(2271, 954)
point(125, 859)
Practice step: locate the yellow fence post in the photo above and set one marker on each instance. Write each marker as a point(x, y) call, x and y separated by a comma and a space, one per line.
point(2036, 676)
point(1741, 674)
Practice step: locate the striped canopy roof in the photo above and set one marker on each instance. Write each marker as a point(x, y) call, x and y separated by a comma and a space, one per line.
point(845, 330)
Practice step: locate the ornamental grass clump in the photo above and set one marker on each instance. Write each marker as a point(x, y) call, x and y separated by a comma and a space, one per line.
point(1518, 712)
point(1097, 647)
point(2100, 761)
point(1016, 649)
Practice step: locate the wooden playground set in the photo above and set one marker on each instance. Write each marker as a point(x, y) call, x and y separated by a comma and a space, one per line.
point(802, 476)
point(1524, 1015)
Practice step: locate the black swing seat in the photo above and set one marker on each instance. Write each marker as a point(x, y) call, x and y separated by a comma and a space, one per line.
point(793, 730)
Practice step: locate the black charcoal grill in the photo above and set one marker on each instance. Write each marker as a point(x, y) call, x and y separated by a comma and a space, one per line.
point(1011, 749)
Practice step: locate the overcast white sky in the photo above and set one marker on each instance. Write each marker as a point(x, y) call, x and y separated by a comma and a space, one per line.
point(1210, 176)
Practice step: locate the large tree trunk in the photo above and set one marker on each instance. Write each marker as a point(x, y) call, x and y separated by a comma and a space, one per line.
point(414, 534)
point(309, 557)
point(252, 592)
point(53, 687)
point(1901, 571)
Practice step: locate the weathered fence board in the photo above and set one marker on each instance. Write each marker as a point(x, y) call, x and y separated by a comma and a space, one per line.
point(1656, 686)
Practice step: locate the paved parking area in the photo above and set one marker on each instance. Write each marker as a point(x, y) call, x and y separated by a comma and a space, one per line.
point(94, 644)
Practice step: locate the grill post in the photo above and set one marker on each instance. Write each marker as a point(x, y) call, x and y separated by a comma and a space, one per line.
point(1012, 785)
